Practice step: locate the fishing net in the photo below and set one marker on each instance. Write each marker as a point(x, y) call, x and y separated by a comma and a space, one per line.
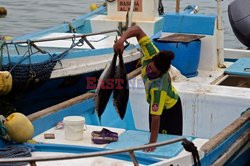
point(23, 73)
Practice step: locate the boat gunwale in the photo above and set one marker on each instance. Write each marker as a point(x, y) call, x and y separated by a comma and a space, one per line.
point(226, 132)
point(233, 149)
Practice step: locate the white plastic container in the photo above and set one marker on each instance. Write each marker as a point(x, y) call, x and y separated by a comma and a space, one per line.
point(74, 127)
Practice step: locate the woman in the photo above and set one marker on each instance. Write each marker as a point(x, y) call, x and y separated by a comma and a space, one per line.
point(165, 111)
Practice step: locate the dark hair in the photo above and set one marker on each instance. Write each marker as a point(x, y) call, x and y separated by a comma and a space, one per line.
point(162, 60)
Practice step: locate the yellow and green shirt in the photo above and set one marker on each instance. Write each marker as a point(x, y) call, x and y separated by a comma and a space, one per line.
point(160, 93)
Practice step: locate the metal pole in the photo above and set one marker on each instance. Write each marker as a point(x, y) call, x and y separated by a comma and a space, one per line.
point(90, 45)
point(220, 36)
point(62, 38)
point(131, 13)
point(132, 155)
point(177, 8)
point(86, 155)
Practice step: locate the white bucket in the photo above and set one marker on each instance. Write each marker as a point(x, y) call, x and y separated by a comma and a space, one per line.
point(74, 127)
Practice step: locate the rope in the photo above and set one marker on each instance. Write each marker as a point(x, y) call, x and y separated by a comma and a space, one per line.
point(72, 29)
point(160, 8)
point(16, 49)
point(13, 152)
point(190, 147)
point(63, 54)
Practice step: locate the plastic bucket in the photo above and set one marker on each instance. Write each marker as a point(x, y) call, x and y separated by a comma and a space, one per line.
point(187, 55)
point(74, 127)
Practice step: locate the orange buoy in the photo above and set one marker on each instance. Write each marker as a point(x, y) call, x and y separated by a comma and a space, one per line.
point(3, 11)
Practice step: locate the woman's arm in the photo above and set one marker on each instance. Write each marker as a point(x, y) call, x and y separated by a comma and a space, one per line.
point(134, 31)
point(155, 125)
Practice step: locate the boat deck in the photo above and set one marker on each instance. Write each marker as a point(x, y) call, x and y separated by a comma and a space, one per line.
point(86, 141)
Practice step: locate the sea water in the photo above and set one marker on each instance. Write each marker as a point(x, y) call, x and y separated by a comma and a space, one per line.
point(27, 16)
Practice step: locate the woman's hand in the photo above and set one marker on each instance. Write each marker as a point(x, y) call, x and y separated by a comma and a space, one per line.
point(119, 46)
point(134, 31)
point(149, 149)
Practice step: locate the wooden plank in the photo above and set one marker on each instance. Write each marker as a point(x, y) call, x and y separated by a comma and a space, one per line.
point(73, 101)
point(233, 149)
point(59, 106)
point(180, 38)
point(225, 133)
point(177, 7)
point(134, 73)
point(219, 79)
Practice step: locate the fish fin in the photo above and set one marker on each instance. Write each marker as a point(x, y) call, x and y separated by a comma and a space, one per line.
point(101, 78)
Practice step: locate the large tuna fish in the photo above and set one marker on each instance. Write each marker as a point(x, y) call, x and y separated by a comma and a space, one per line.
point(121, 91)
point(105, 87)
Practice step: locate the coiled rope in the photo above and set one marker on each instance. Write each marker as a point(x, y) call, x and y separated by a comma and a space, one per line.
point(13, 152)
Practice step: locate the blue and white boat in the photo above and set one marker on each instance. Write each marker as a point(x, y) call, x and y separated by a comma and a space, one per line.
point(215, 96)
point(229, 146)
point(52, 65)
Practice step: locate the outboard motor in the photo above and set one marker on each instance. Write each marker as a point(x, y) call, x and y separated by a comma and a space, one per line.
point(239, 17)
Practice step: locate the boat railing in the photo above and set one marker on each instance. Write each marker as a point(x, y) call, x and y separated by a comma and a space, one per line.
point(31, 44)
point(32, 160)
point(82, 36)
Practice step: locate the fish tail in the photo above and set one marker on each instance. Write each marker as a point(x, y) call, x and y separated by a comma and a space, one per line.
point(100, 120)
point(121, 111)
point(115, 104)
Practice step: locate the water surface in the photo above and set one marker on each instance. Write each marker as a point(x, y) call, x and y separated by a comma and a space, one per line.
point(26, 16)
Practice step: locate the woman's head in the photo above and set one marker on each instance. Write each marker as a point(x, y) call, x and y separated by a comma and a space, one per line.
point(160, 63)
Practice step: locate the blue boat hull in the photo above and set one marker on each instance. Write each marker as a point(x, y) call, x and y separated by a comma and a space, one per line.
point(38, 96)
